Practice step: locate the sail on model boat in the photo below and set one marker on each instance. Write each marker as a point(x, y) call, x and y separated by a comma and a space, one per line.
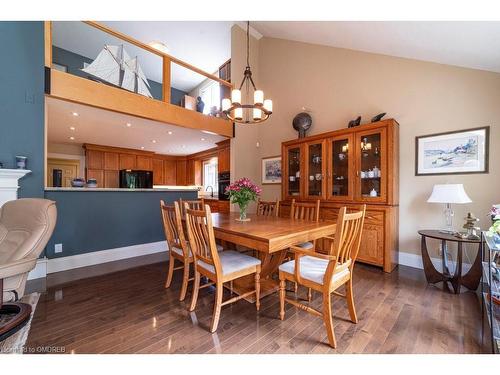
point(113, 65)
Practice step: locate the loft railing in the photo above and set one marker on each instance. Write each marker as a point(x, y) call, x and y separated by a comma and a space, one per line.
point(74, 88)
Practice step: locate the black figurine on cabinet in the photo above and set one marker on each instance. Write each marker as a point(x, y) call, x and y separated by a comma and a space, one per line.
point(200, 105)
point(378, 117)
point(302, 122)
point(354, 123)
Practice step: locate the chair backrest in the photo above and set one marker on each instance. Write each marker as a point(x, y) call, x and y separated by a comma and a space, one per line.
point(172, 225)
point(198, 205)
point(305, 210)
point(201, 236)
point(26, 226)
point(265, 208)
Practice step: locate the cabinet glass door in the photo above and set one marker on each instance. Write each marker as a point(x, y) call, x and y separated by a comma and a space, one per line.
point(371, 173)
point(293, 175)
point(315, 170)
point(340, 186)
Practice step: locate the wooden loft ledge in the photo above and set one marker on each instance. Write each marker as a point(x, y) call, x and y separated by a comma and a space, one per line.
point(69, 87)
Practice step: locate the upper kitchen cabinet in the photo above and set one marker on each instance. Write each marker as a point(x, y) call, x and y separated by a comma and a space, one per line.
point(144, 163)
point(224, 156)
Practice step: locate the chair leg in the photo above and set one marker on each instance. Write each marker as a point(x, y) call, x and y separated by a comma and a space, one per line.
point(309, 295)
point(196, 288)
point(218, 302)
point(257, 290)
point(171, 261)
point(350, 301)
point(296, 288)
point(327, 318)
point(282, 298)
point(185, 278)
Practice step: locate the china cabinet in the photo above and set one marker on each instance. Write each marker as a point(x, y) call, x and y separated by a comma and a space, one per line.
point(490, 288)
point(349, 167)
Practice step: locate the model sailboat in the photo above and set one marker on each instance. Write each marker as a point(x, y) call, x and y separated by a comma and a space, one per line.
point(113, 65)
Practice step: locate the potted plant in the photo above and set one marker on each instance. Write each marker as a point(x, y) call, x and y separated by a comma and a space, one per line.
point(242, 192)
point(494, 230)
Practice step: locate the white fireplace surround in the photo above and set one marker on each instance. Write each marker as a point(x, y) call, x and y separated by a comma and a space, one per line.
point(9, 183)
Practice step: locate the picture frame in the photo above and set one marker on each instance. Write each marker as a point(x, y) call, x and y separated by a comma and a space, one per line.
point(271, 170)
point(456, 152)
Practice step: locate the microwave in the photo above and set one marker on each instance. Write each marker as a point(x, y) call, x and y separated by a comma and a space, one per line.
point(135, 179)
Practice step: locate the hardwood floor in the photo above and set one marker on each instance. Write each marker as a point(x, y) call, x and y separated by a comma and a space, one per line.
point(130, 312)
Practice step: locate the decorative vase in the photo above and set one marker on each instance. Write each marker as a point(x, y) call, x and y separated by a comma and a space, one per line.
point(243, 212)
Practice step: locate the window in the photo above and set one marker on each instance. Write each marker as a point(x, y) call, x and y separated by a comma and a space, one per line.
point(211, 97)
point(210, 175)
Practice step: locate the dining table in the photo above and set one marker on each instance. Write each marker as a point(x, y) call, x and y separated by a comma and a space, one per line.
point(271, 236)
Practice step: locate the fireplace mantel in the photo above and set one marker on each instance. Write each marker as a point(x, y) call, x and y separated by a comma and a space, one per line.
point(9, 183)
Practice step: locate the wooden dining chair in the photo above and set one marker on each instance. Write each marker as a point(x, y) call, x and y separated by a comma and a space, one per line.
point(177, 244)
point(305, 211)
point(222, 267)
point(197, 204)
point(268, 208)
point(325, 273)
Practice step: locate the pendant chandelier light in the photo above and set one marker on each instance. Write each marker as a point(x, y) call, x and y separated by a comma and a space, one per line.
point(254, 113)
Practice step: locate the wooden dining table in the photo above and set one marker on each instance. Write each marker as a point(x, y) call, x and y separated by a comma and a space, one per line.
point(271, 236)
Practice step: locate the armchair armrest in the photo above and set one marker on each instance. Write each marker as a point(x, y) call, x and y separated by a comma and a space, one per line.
point(17, 267)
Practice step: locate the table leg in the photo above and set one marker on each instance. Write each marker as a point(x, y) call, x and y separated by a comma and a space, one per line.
point(456, 281)
point(444, 258)
point(431, 274)
point(472, 278)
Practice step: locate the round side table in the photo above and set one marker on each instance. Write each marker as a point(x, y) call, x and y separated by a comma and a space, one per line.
point(470, 279)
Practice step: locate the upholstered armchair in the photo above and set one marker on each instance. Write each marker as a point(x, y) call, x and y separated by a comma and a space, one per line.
point(26, 226)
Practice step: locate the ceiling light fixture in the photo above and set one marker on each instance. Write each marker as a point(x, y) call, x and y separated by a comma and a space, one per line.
point(142, 147)
point(129, 124)
point(203, 139)
point(72, 128)
point(154, 141)
point(169, 133)
point(160, 46)
point(254, 113)
point(75, 114)
point(72, 138)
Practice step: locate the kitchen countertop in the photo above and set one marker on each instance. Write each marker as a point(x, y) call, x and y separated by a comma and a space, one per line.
point(85, 189)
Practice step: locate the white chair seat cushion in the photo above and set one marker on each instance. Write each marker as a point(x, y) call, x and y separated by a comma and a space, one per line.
point(312, 269)
point(305, 245)
point(231, 261)
point(179, 250)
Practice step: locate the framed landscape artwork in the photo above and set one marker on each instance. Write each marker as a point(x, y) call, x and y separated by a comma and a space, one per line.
point(457, 152)
point(271, 170)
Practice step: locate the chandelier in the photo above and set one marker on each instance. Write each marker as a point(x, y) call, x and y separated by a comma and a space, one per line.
point(254, 113)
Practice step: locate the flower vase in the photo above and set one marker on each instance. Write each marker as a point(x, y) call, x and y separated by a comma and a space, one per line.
point(243, 212)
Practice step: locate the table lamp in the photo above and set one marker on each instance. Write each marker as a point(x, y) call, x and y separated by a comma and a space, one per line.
point(448, 194)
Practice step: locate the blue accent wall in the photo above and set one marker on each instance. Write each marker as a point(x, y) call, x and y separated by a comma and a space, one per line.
point(93, 221)
point(22, 101)
point(74, 63)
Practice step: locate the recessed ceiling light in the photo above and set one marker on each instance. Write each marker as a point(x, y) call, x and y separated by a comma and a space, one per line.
point(142, 147)
point(72, 138)
point(72, 128)
point(169, 133)
point(203, 139)
point(129, 124)
point(160, 46)
point(75, 114)
point(154, 141)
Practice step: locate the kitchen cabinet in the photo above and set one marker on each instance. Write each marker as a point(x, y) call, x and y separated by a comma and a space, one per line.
point(158, 172)
point(94, 159)
point(181, 172)
point(111, 179)
point(111, 161)
point(170, 172)
point(350, 167)
point(223, 159)
point(98, 174)
point(127, 161)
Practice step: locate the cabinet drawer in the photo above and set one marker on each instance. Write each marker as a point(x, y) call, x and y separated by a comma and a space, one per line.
point(374, 218)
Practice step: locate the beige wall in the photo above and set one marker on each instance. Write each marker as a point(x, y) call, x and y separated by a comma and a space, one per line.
point(337, 85)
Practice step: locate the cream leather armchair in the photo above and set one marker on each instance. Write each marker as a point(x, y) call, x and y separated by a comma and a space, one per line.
point(26, 226)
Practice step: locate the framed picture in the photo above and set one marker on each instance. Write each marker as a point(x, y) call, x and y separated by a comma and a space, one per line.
point(456, 152)
point(271, 170)
point(62, 68)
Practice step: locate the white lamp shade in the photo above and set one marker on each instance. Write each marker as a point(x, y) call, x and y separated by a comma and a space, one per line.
point(238, 113)
point(268, 105)
point(449, 193)
point(236, 96)
point(226, 104)
point(257, 114)
point(258, 97)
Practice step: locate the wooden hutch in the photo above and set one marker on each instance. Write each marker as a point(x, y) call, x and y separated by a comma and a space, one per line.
point(349, 167)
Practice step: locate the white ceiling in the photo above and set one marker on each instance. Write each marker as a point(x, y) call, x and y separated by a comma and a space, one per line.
point(467, 44)
point(98, 126)
point(206, 45)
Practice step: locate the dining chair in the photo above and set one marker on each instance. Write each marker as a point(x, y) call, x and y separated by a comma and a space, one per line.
point(197, 204)
point(222, 267)
point(268, 208)
point(305, 211)
point(325, 273)
point(177, 244)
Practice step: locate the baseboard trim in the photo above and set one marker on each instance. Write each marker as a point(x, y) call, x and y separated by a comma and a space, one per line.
point(47, 266)
point(415, 261)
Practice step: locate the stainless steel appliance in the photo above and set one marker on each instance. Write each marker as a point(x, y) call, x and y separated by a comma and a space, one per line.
point(136, 179)
point(224, 182)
